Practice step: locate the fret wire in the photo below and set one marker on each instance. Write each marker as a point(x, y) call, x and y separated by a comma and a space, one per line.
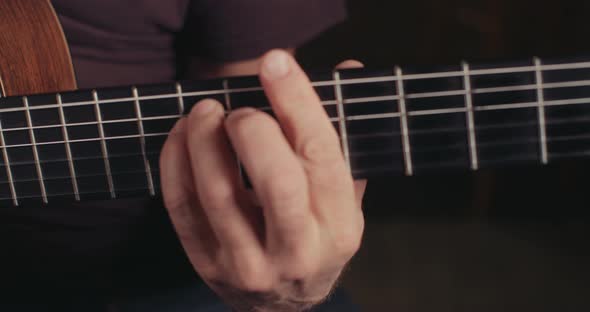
point(404, 122)
point(470, 118)
point(226, 92)
point(541, 111)
point(342, 119)
point(66, 136)
point(228, 108)
point(103, 144)
point(180, 99)
point(146, 163)
point(8, 167)
point(34, 148)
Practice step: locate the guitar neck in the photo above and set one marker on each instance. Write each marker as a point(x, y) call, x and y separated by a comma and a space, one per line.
point(105, 144)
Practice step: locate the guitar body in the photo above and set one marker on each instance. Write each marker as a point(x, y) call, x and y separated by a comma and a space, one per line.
point(34, 55)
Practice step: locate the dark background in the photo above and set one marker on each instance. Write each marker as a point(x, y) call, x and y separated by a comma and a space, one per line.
point(504, 240)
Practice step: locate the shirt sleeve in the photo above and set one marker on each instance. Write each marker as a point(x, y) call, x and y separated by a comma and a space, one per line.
point(232, 30)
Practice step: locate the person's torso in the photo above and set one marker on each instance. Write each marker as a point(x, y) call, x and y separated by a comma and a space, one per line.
point(119, 42)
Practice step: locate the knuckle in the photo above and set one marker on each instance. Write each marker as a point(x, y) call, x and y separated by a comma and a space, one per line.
point(319, 151)
point(247, 120)
point(284, 186)
point(300, 265)
point(348, 242)
point(199, 126)
point(252, 276)
point(315, 150)
point(217, 195)
point(177, 202)
point(208, 272)
point(194, 115)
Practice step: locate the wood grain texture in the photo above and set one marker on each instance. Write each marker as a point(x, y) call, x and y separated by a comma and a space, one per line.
point(34, 56)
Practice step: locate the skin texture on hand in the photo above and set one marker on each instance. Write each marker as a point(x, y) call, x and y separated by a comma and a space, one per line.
point(285, 250)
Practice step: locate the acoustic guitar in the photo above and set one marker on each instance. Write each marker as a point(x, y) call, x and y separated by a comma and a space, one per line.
point(62, 144)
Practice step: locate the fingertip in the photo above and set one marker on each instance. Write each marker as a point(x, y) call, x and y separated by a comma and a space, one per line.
point(350, 64)
point(205, 108)
point(179, 127)
point(275, 64)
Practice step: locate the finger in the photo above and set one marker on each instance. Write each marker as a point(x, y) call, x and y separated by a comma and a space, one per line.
point(181, 202)
point(299, 109)
point(216, 177)
point(314, 139)
point(348, 64)
point(361, 185)
point(276, 174)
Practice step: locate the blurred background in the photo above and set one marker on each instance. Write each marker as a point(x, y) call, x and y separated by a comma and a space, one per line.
point(507, 240)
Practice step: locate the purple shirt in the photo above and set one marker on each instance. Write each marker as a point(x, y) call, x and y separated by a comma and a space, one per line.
point(121, 42)
point(106, 250)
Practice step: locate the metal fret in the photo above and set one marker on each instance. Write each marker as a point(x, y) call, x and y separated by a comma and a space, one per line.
point(470, 118)
point(8, 168)
point(341, 118)
point(541, 111)
point(404, 122)
point(62, 120)
point(180, 98)
point(148, 168)
point(35, 151)
point(229, 110)
point(103, 144)
point(226, 95)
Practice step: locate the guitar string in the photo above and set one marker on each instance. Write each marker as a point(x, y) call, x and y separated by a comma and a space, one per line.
point(433, 94)
point(432, 112)
point(361, 100)
point(93, 192)
point(353, 138)
point(353, 154)
point(463, 163)
point(357, 81)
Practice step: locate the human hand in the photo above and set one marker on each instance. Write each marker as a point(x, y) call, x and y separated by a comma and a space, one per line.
point(285, 250)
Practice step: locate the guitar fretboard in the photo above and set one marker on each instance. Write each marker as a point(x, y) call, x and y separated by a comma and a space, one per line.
point(105, 144)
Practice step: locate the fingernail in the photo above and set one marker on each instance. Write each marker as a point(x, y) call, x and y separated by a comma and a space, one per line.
point(204, 107)
point(276, 64)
